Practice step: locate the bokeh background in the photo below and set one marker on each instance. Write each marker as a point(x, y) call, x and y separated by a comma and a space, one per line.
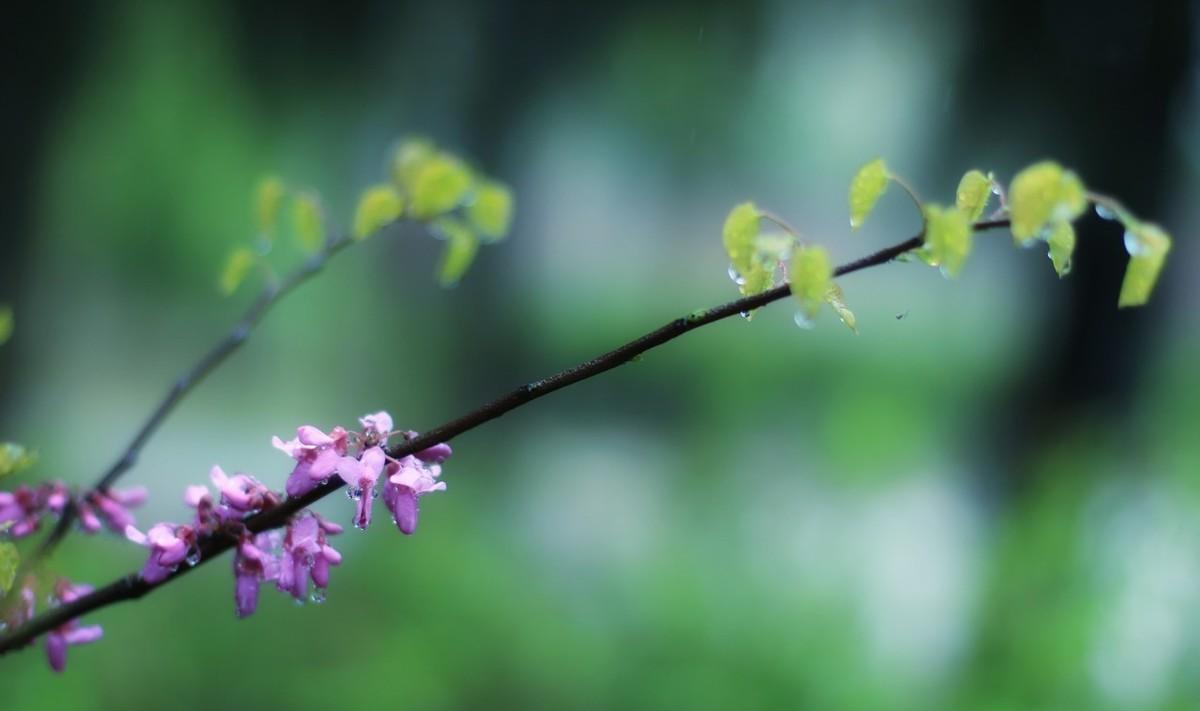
point(989, 499)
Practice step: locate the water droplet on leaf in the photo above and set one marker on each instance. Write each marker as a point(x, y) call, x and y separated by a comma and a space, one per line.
point(803, 321)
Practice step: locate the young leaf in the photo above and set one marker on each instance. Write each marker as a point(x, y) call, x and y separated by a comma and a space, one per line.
point(811, 273)
point(14, 458)
point(866, 188)
point(461, 247)
point(267, 199)
point(1147, 245)
point(948, 237)
point(410, 156)
point(1040, 194)
point(10, 560)
point(835, 298)
point(440, 185)
point(237, 267)
point(760, 277)
point(974, 191)
point(738, 235)
point(491, 211)
point(378, 206)
point(307, 223)
point(1062, 245)
point(6, 323)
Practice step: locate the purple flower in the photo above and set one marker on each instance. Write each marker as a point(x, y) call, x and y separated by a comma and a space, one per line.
point(19, 613)
point(69, 633)
point(436, 454)
point(242, 493)
point(360, 475)
point(376, 428)
point(306, 555)
point(110, 508)
point(408, 480)
point(169, 546)
point(252, 564)
point(23, 508)
point(316, 455)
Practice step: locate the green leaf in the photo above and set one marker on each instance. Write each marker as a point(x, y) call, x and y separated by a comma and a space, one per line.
point(948, 238)
point(1147, 245)
point(378, 206)
point(439, 186)
point(307, 222)
point(237, 267)
point(268, 198)
point(10, 560)
point(1041, 194)
point(491, 211)
point(866, 188)
point(811, 273)
point(1062, 245)
point(15, 458)
point(461, 246)
point(974, 191)
point(738, 235)
point(410, 156)
point(6, 323)
point(835, 298)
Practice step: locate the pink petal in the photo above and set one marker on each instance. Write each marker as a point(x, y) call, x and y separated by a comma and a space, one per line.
point(84, 635)
point(56, 651)
point(136, 536)
point(313, 437)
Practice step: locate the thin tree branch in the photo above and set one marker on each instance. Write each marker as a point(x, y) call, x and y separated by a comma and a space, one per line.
point(233, 340)
point(132, 587)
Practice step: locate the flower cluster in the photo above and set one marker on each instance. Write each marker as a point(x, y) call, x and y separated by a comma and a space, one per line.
point(66, 635)
point(24, 508)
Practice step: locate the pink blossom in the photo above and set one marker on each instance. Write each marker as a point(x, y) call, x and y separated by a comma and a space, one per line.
point(316, 455)
point(408, 480)
point(241, 492)
point(436, 454)
point(305, 555)
point(69, 633)
point(169, 546)
point(360, 475)
point(109, 509)
point(23, 508)
point(376, 428)
point(252, 564)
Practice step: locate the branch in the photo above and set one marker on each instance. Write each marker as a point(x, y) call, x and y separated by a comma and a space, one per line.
point(270, 295)
point(132, 587)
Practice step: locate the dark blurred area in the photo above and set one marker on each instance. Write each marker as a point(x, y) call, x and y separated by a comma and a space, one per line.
point(989, 499)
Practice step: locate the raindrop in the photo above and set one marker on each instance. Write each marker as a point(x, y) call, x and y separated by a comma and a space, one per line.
point(354, 493)
point(193, 557)
point(803, 321)
point(298, 601)
point(735, 277)
point(317, 596)
point(1104, 213)
point(1135, 246)
point(745, 315)
point(374, 493)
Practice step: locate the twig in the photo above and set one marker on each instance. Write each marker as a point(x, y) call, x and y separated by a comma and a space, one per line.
point(270, 295)
point(132, 587)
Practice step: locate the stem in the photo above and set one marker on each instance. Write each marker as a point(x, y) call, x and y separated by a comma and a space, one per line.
point(233, 340)
point(132, 587)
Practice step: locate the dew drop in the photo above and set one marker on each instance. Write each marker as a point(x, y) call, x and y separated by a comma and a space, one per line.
point(803, 321)
point(298, 601)
point(745, 315)
point(1104, 213)
point(193, 557)
point(374, 493)
point(317, 596)
point(734, 276)
point(1134, 246)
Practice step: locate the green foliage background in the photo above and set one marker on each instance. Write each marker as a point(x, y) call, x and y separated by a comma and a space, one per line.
point(752, 516)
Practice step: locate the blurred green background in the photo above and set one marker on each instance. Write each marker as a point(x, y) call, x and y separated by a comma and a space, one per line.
point(989, 499)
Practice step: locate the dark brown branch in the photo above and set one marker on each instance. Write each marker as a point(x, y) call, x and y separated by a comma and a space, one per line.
point(132, 587)
point(233, 340)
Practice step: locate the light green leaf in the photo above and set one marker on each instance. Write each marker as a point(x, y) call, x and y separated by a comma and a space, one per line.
point(741, 228)
point(461, 246)
point(948, 238)
point(1147, 245)
point(811, 273)
point(491, 211)
point(15, 458)
point(835, 298)
point(268, 198)
point(237, 267)
point(866, 188)
point(307, 222)
point(974, 191)
point(6, 323)
point(439, 186)
point(760, 277)
point(10, 560)
point(410, 156)
point(378, 206)
point(1062, 245)
point(1041, 194)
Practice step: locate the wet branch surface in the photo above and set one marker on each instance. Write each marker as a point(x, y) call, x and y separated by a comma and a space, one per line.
point(132, 587)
